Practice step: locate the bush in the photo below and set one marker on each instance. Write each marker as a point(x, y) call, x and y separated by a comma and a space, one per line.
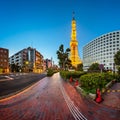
point(74, 74)
point(90, 82)
point(108, 77)
point(50, 72)
point(117, 77)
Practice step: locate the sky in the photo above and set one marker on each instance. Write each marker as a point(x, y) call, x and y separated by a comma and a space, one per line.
point(46, 24)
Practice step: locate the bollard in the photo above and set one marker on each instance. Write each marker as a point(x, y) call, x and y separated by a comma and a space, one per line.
point(98, 98)
point(76, 83)
point(71, 79)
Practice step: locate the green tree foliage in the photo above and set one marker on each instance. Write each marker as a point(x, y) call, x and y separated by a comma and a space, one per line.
point(94, 67)
point(117, 60)
point(64, 61)
point(79, 67)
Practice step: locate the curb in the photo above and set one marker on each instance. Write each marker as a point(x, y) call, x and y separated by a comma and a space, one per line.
point(80, 90)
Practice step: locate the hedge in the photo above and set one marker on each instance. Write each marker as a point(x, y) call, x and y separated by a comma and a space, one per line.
point(95, 80)
point(74, 74)
point(50, 72)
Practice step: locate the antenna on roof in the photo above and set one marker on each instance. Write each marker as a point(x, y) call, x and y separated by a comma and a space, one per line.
point(73, 15)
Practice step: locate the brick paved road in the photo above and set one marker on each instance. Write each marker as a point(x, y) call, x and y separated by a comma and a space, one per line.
point(44, 101)
point(53, 99)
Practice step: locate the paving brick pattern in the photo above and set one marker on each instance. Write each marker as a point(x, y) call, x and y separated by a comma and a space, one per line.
point(43, 101)
point(111, 98)
point(53, 99)
point(91, 109)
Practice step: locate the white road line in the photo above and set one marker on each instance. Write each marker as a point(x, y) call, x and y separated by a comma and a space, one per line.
point(73, 109)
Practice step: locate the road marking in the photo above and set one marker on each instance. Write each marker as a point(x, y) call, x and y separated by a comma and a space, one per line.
point(73, 109)
point(112, 91)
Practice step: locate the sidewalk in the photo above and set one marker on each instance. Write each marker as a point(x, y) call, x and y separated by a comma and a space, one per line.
point(112, 99)
point(89, 108)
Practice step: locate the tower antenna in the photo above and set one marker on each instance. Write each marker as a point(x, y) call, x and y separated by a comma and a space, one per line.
point(73, 15)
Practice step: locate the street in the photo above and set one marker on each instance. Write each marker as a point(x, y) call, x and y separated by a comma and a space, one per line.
point(14, 83)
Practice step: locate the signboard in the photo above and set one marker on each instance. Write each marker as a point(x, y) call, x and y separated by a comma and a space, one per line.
point(101, 66)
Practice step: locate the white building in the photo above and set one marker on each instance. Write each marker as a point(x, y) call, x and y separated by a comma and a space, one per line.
point(102, 50)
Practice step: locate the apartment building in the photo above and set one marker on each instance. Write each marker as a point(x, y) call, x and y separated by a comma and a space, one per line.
point(28, 60)
point(4, 64)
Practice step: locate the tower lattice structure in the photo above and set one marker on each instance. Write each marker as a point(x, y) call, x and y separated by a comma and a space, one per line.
point(74, 55)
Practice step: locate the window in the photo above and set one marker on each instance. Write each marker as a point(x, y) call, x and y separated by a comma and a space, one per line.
point(5, 51)
point(110, 36)
point(1, 50)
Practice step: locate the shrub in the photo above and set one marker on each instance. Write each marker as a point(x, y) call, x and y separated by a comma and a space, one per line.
point(108, 77)
point(91, 82)
point(117, 77)
point(50, 72)
point(73, 74)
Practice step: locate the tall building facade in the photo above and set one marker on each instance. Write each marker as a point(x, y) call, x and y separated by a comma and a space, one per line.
point(102, 50)
point(38, 62)
point(74, 55)
point(4, 64)
point(28, 60)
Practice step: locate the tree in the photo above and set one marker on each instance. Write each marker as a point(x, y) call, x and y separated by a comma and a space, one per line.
point(94, 67)
point(62, 55)
point(117, 60)
point(80, 67)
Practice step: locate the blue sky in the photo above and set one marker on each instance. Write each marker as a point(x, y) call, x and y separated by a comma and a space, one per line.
point(46, 24)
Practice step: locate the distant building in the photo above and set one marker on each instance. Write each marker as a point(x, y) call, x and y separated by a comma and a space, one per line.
point(102, 50)
point(47, 64)
point(28, 60)
point(38, 63)
point(4, 64)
